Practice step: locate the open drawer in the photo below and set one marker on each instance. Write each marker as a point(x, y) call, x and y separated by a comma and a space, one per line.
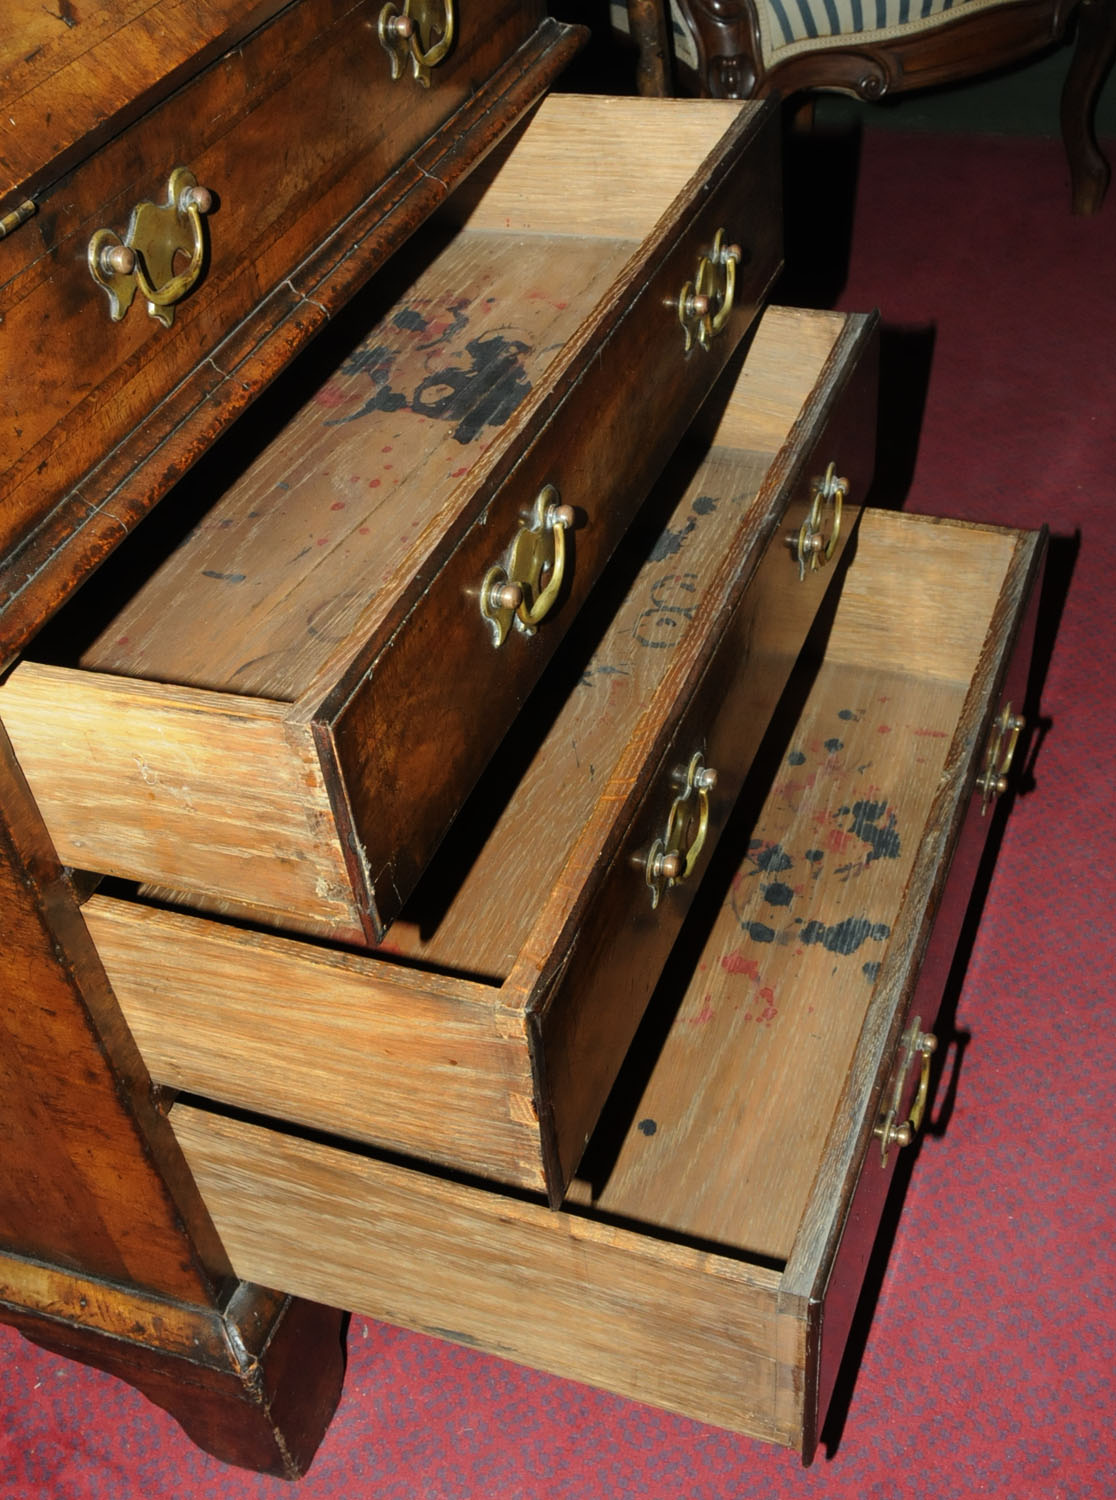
point(284, 716)
point(486, 1032)
point(709, 1254)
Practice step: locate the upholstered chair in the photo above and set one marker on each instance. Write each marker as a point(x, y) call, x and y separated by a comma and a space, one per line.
point(746, 49)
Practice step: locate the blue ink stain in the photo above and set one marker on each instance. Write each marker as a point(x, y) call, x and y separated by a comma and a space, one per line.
point(847, 936)
point(773, 859)
point(778, 894)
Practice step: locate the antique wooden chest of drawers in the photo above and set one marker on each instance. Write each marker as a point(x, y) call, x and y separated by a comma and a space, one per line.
point(452, 831)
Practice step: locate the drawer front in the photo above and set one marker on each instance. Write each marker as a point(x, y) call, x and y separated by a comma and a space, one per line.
point(901, 1096)
point(672, 1325)
point(290, 133)
point(584, 1021)
point(599, 453)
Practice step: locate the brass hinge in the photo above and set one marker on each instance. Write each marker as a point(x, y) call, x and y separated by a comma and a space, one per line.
point(10, 222)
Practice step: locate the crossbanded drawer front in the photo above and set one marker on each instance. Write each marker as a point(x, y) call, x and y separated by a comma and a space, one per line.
point(310, 158)
point(338, 582)
point(713, 1243)
point(540, 929)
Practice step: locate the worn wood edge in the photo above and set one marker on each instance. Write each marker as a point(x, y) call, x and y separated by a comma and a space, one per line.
point(70, 1297)
point(851, 1135)
point(340, 677)
point(532, 982)
point(394, 1057)
point(268, 766)
point(109, 500)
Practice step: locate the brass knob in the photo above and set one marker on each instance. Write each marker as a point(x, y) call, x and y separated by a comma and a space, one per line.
point(561, 515)
point(196, 197)
point(400, 27)
point(668, 866)
point(116, 260)
point(504, 596)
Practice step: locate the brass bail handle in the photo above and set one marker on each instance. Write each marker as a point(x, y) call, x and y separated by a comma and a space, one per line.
point(422, 32)
point(811, 549)
point(923, 1045)
point(705, 303)
point(144, 259)
point(521, 591)
point(993, 781)
point(673, 858)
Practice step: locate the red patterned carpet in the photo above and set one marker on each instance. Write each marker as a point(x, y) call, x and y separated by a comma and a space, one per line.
point(988, 1365)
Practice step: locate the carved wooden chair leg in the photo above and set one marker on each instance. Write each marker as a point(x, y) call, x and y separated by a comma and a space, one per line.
point(649, 27)
point(1092, 59)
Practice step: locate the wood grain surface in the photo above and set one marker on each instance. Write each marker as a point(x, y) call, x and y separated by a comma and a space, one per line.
point(538, 900)
point(716, 1148)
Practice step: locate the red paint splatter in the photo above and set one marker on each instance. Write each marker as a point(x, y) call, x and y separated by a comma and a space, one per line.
point(457, 473)
point(706, 1013)
point(385, 449)
point(338, 505)
point(838, 841)
point(736, 963)
point(373, 484)
point(930, 734)
point(364, 530)
point(323, 541)
point(883, 729)
point(122, 640)
point(330, 396)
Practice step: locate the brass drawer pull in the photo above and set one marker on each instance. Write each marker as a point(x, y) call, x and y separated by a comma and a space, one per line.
point(144, 259)
point(812, 549)
point(522, 591)
point(993, 781)
point(923, 1045)
point(410, 34)
point(704, 304)
point(673, 857)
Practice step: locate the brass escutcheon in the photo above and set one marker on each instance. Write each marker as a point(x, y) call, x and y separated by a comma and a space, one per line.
point(672, 858)
point(143, 261)
point(993, 780)
point(704, 304)
point(421, 33)
point(521, 591)
point(811, 549)
point(923, 1045)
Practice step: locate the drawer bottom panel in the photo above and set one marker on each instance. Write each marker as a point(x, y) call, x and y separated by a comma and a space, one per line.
point(691, 1262)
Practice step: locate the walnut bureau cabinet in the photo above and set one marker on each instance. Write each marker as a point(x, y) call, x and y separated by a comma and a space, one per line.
point(484, 851)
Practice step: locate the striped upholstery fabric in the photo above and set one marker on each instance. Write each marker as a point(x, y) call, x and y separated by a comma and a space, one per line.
point(789, 27)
